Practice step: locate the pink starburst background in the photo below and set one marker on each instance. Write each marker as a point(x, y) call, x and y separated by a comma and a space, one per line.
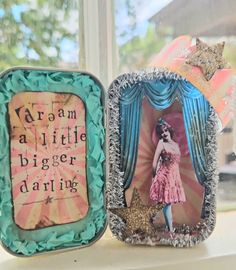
point(64, 198)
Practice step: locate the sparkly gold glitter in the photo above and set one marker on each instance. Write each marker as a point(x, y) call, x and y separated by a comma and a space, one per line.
point(138, 216)
point(208, 58)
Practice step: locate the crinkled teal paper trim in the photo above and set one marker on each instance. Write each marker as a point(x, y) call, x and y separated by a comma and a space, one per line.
point(60, 236)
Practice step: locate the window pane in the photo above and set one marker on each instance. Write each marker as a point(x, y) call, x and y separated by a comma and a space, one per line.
point(143, 29)
point(136, 35)
point(39, 32)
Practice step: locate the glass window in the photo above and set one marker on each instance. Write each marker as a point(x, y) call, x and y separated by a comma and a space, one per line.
point(136, 34)
point(39, 33)
point(142, 30)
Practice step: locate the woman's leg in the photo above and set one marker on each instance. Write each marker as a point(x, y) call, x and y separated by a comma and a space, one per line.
point(168, 216)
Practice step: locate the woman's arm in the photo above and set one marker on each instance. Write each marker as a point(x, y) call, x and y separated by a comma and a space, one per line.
point(157, 156)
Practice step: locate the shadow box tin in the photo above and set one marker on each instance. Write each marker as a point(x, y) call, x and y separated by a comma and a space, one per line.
point(153, 174)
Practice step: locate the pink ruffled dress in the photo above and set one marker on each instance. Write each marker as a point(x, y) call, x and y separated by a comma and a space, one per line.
point(166, 184)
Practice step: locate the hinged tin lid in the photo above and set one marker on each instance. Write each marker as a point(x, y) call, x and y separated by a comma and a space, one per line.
point(51, 169)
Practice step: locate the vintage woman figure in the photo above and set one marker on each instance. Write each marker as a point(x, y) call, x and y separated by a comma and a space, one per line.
point(166, 187)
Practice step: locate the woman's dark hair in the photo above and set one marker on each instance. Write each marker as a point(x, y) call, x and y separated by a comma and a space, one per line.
point(159, 128)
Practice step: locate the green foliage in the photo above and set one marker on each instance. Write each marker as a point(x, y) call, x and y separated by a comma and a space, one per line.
point(137, 53)
point(32, 30)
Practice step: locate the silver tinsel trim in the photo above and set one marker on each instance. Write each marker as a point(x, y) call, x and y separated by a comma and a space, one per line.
point(185, 235)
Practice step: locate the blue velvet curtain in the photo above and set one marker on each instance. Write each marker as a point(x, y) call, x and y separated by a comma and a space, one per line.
point(161, 94)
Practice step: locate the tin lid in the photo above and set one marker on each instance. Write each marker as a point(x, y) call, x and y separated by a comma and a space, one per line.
point(51, 169)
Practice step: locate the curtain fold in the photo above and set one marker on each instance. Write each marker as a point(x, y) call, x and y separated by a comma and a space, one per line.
point(161, 94)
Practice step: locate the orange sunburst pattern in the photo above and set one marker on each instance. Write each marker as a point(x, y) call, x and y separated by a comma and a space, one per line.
point(188, 212)
point(48, 159)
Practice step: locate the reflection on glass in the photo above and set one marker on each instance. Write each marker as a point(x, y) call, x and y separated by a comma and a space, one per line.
point(39, 32)
point(142, 30)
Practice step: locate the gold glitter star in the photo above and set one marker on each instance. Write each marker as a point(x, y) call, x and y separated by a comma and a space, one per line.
point(208, 58)
point(138, 216)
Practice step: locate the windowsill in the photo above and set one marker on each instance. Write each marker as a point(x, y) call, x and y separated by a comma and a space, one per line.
point(217, 252)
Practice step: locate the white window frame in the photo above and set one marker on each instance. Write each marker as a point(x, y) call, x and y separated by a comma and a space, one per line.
point(98, 51)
